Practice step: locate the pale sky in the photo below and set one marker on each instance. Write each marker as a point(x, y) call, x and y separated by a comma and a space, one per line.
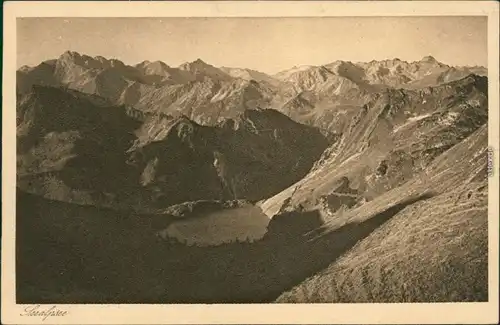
point(265, 44)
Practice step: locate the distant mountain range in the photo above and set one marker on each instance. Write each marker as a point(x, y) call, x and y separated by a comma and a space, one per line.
point(207, 94)
point(373, 176)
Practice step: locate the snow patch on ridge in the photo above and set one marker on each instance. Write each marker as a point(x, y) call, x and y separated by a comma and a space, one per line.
point(410, 121)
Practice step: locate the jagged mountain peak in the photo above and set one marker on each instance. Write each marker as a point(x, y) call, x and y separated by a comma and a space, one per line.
point(159, 63)
point(73, 56)
point(302, 67)
point(87, 61)
point(198, 63)
point(201, 69)
point(156, 63)
point(429, 58)
point(250, 74)
point(158, 68)
point(295, 69)
point(305, 74)
point(142, 63)
point(70, 54)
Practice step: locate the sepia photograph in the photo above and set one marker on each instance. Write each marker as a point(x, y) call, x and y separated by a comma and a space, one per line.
point(249, 160)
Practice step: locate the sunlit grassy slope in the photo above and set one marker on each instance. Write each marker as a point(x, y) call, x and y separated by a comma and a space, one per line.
point(433, 250)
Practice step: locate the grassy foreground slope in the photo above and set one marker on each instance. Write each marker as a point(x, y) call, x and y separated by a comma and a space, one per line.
point(433, 250)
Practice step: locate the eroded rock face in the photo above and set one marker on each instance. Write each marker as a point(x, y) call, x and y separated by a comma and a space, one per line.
point(390, 140)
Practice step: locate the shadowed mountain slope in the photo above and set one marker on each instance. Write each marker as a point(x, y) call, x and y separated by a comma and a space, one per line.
point(77, 149)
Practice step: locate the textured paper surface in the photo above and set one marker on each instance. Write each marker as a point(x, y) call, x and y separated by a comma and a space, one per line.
point(421, 313)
